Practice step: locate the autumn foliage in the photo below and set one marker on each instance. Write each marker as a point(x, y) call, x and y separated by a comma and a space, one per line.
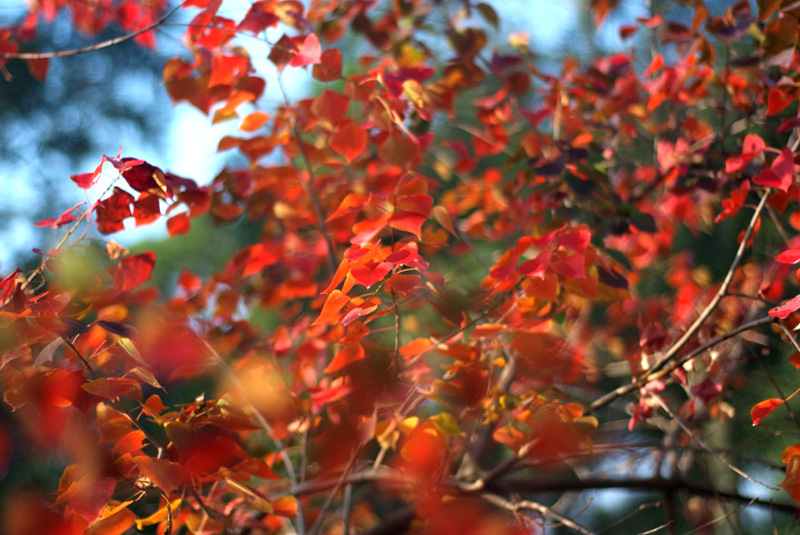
point(484, 277)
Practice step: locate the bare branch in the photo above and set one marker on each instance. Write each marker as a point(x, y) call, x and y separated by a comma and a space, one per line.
point(670, 354)
point(94, 47)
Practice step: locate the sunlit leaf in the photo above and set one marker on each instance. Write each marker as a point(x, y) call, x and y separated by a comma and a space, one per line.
point(133, 271)
point(762, 409)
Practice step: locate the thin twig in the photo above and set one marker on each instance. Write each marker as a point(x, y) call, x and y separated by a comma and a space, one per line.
point(700, 442)
point(347, 502)
point(672, 366)
point(91, 48)
point(329, 500)
point(701, 319)
point(282, 451)
point(308, 184)
point(543, 510)
point(483, 434)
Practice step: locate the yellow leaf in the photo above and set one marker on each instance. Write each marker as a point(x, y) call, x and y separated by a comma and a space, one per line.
point(159, 516)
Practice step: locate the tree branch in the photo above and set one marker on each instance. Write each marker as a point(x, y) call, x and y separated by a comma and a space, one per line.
point(675, 364)
point(91, 48)
point(701, 319)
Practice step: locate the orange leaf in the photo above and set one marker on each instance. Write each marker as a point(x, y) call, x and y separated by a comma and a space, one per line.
point(408, 222)
point(227, 212)
point(349, 141)
point(415, 348)
point(341, 272)
point(762, 409)
point(329, 107)
point(330, 310)
point(114, 521)
point(347, 355)
point(399, 151)
point(790, 452)
point(254, 121)
point(791, 483)
point(285, 506)
point(133, 441)
point(487, 329)
point(164, 474)
point(442, 217)
point(113, 387)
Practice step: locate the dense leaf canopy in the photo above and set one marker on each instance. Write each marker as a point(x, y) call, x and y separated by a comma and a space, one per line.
point(452, 292)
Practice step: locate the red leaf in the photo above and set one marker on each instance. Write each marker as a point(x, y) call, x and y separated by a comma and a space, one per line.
point(164, 474)
point(62, 220)
point(576, 239)
point(402, 283)
point(791, 483)
point(329, 107)
point(133, 271)
point(133, 441)
point(753, 145)
point(536, 267)
point(310, 52)
point(329, 68)
point(570, 265)
point(408, 222)
point(38, 68)
point(111, 212)
point(282, 52)
point(347, 355)
point(352, 202)
point(404, 255)
point(146, 209)
point(368, 274)
point(91, 496)
point(368, 229)
point(779, 175)
point(224, 69)
point(790, 256)
point(258, 18)
point(227, 211)
point(178, 224)
point(762, 409)
point(783, 311)
point(349, 141)
point(777, 101)
point(86, 180)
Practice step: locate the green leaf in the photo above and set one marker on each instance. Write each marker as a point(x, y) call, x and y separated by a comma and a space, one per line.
point(489, 14)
